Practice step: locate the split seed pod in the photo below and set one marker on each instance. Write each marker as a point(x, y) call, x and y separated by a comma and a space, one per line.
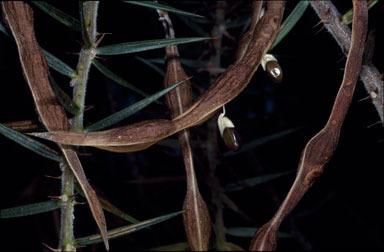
point(228, 132)
point(270, 64)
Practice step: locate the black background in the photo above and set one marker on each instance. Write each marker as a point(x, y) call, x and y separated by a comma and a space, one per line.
point(343, 210)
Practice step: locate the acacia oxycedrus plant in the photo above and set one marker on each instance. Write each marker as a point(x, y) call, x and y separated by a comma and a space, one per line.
point(150, 97)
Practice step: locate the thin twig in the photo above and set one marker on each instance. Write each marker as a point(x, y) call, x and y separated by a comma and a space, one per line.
point(88, 11)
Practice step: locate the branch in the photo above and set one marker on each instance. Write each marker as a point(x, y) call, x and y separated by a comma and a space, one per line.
point(369, 74)
point(19, 17)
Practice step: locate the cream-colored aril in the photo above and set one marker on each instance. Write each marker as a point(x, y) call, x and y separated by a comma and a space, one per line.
point(227, 132)
point(270, 64)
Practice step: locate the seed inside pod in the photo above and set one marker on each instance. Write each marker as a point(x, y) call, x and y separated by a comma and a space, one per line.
point(274, 71)
point(231, 139)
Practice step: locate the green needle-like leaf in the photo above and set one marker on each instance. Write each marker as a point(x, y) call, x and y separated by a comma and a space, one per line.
point(52, 61)
point(290, 21)
point(111, 75)
point(30, 209)
point(139, 46)
point(163, 7)
point(124, 113)
point(109, 207)
point(248, 232)
point(151, 65)
point(59, 65)
point(185, 62)
point(193, 24)
point(246, 183)
point(57, 14)
point(64, 99)
point(29, 143)
point(117, 232)
point(260, 141)
point(116, 211)
point(84, 31)
point(238, 22)
point(347, 17)
point(2, 28)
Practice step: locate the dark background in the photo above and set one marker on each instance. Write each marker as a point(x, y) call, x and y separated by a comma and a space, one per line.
point(343, 210)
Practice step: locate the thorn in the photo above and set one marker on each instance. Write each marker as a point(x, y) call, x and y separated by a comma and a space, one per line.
point(317, 24)
point(365, 98)
point(100, 39)
point(49, 247)
point(53, 177)
point(188, 78)
point(55, 197)
point(63, 197)
point(343, 57)
point(324, 20)
point(88, 107)
point(373, 124)
point(229, 36)
point(80, 246)
point(322, 28)
point(109, 33)
point(84, 154)
point(99, 57)
point(80, 43)
point(80, 203)
point(73, 53)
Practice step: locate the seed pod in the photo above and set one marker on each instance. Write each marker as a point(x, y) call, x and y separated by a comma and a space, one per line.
point(228, 132)
point(270, 64)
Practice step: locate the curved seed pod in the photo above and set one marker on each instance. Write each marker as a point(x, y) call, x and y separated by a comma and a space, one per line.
point(320, 148)
point(197, 222)
point(244, 41)
point(226, 87)
point(19, 17)
point(270, 64)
